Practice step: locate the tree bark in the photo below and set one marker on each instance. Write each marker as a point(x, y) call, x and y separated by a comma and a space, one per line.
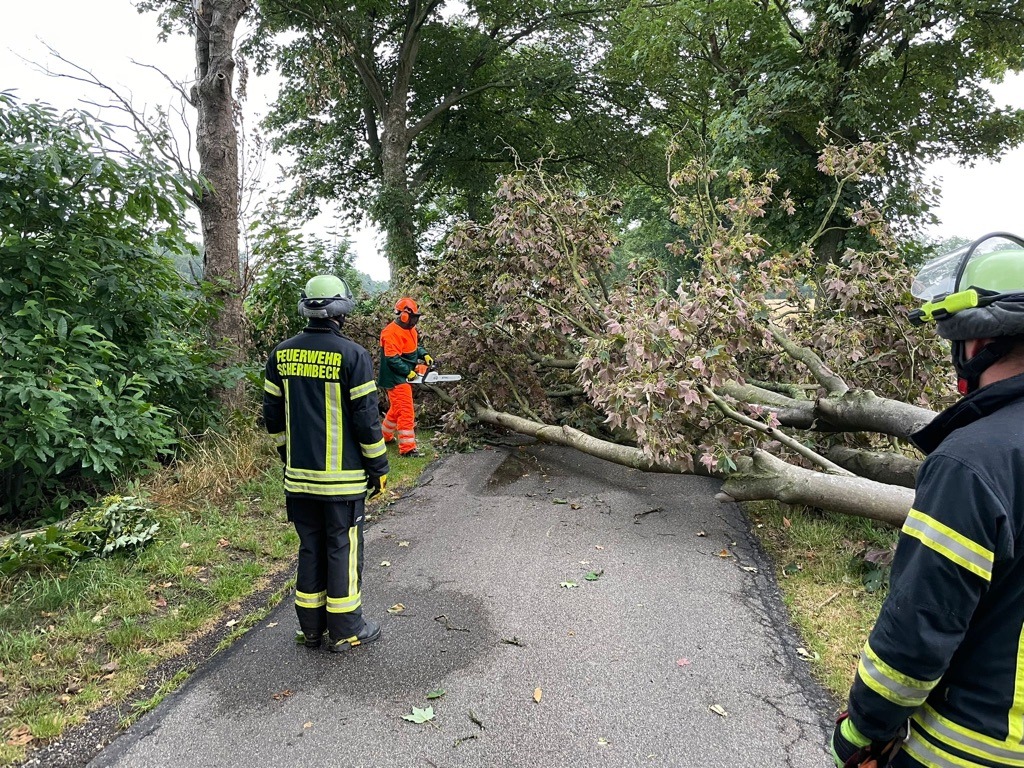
point(761, 477)
point(888, 468)
point(217, 145)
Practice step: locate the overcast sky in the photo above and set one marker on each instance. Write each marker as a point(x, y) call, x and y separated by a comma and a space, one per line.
point(106, 35)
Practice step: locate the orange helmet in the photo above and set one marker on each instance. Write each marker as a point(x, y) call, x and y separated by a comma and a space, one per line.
point(408, 313)
point(407, 305)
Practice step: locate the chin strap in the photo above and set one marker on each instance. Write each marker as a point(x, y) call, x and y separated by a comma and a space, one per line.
point(970, 370)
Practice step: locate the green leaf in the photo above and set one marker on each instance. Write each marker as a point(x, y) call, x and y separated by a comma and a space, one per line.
point(594, 575)
point(420, 715)
point(559, 501)
point(437, 694)
point(568, 585)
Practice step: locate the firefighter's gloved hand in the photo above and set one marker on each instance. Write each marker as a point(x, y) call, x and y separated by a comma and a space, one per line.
point(428, 360)
point(412, 375)
point(849, 746)
point(378, 485)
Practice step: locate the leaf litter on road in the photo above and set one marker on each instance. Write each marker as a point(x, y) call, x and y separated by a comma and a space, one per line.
point(419, 716)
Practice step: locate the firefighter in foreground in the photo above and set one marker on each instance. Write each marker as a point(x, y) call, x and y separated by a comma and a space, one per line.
point(941, 678)
point(399, 353)
point(320, 404)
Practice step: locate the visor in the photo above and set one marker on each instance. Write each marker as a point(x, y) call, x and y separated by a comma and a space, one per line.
point(941, 275)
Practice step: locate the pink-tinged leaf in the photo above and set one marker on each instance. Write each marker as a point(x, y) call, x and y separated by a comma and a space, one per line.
point(683, 662)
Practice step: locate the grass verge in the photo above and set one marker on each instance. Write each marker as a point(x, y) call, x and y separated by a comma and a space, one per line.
point(90, 637)
point(832, 592)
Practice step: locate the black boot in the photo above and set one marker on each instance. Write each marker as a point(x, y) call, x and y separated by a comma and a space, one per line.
point(371, 631)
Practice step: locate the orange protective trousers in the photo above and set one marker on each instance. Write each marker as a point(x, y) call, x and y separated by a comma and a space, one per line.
point(401, 418)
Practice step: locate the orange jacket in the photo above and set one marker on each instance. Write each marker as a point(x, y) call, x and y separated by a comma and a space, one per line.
point(399, 351)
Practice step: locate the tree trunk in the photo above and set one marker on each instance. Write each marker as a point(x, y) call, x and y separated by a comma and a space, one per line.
point(888, 468)
point(761, 477)
point(394, 208)
point(217, 145)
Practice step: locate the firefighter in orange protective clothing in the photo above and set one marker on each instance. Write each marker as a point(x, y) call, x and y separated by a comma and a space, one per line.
point(400, 351)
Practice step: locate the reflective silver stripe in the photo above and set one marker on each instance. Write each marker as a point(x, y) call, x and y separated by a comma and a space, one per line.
point(344, 604)
point(932, 756)
point(310, 599)
point(288, 418)
point(332, 395)
point(949, 543)
point(353, 560)
point(348, 489)
point(896, 692)
point(374, 450)
point(958, 737)
point(350, 475)
point(362, 390)
point(279, 438)
point(271, 388)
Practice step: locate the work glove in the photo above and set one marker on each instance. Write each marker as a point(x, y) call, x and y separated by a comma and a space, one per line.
point(378, 485)
point(428, 360)
point(852, 749)
point(412, 375)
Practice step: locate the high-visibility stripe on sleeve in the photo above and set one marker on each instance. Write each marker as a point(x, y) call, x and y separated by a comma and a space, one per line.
point(271, 388)
point(926, 753)
point(362, 390)
point(950, 544)
point(373, 450)
point(948, 733)
point(279, 438)
point(310, 599)
point(344, 604)
point(890, 683)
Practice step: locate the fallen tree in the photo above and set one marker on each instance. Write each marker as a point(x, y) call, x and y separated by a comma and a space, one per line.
point(789, 377)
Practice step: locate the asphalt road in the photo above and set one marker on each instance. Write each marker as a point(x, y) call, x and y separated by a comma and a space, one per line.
point(628, 665)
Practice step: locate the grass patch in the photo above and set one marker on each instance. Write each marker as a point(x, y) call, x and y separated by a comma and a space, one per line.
point(831, 591)
point(74, 640)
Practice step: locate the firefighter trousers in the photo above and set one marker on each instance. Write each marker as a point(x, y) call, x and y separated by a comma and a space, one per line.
point(401, 418)
point(329, 578)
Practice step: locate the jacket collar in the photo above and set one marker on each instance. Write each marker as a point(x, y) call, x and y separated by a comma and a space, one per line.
point(319, 325)
point(967, 410)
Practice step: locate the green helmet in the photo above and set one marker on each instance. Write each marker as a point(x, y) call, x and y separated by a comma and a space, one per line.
point(975, 292)
point(326, 296)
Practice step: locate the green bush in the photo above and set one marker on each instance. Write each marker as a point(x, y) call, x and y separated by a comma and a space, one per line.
point(101, 346)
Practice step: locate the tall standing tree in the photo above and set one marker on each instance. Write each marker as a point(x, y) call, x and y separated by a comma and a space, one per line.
point(757, 84)
point(381, 97)
point(214, 24)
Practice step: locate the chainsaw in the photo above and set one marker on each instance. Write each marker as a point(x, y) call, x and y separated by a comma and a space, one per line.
point(427, 375)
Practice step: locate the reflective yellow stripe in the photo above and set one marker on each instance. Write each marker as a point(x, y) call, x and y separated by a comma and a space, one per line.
point(353, 560)
point(334, 418)
point(374, 450)
point(271, 388)
point(890, 683)
point(966, 740)
point(351, 475)
point(288, 418)
point(932, 756)
point(344, 604)
point(348, 489)
point(950, 544)
point(1016, 724)
point(310, 599)
point(279, 438)
point(362, 390)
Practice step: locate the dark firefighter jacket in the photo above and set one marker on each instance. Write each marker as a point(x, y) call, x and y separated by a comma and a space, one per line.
point(948, 650)
point(320, 404)
point(399, 351)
